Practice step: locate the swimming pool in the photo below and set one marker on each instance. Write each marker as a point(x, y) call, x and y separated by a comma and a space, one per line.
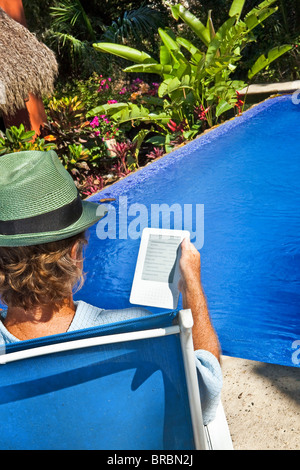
point(246, 173)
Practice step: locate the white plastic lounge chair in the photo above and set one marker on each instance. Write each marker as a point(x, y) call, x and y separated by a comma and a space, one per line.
point(128, 385)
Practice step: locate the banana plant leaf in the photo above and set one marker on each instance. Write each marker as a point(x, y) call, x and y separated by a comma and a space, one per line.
point(106, 109)
point(210, 26)
point(222, 107)
point(224, 29)
point(255, 19)
point(168, 41)
point(125, 52)
point(264, 4)
point(149, 68)
point(213, 50)
point(170, 85)
point(196, 54)
point(134, 112)
point(172, 46)
point(264, 61)
point(180, 69)
point(165, 57)
point(236, 8)
point(260, 13)
point(178, 11)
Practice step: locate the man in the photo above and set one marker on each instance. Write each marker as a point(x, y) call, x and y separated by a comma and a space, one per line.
point(42, 233)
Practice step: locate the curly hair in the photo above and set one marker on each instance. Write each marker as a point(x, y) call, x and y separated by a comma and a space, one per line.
point(40, 274)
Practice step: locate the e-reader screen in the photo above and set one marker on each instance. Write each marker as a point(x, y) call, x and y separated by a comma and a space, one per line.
point(157, 273)
point(160, 259)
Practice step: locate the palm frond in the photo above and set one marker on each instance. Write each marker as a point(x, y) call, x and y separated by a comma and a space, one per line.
point(70, 12)
point(139, 23)
point(68, 46)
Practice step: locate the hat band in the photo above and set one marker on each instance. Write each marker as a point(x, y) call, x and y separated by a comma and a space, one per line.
point(57, 219)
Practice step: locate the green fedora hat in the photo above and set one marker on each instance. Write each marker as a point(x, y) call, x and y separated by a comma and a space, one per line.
point(39, 202)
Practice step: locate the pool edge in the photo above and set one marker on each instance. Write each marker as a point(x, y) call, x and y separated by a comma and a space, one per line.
point(207, 136)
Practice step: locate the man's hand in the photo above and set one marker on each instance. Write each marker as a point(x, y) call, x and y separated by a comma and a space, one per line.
point(204, 335)
point(190, 266)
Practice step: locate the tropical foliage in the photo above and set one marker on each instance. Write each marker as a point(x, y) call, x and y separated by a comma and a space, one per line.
point(184, 72)
point(283, 26)
point(17, 139)
point(73, 31)
point(197, 84)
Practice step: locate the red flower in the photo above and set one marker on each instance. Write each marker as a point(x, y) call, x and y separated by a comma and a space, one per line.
point(201, 112)
point(172, 125)
point(176, 127)
point(239, 103)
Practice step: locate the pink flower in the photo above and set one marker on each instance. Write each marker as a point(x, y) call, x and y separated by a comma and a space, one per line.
point(111, 101)
point(156, 152)
point(103, 84)
point(97, 133)
point(94, 122)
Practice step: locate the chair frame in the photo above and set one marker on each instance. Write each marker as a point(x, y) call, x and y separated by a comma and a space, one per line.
point(203, 435)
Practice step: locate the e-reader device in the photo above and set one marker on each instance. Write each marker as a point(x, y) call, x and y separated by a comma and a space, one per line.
point(156, 277)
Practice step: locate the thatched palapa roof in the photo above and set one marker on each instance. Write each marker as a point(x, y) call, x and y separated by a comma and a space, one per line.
point(26, 65)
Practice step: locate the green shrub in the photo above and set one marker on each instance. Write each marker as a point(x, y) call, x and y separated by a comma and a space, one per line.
point(197, 84)
point(16, 139)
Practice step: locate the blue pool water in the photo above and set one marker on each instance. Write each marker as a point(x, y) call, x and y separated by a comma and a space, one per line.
point(246, 172)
